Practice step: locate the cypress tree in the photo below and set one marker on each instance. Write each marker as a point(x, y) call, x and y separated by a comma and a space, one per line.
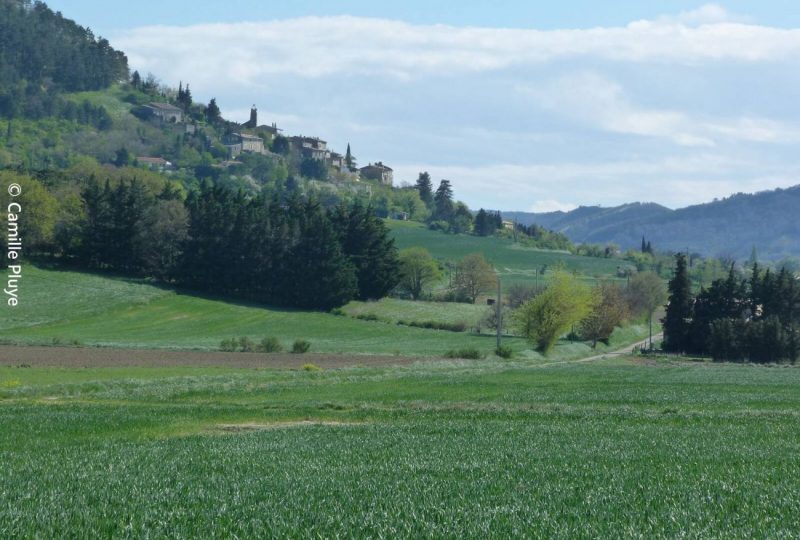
point(679, 308)
point(321, 276)
point(481, 225)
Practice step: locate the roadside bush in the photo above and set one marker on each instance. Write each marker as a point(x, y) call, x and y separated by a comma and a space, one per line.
point(459, 326)
point(228, 345)
point(369, 317)
point(504, 351)
point(468, 353)
point(246, 344)
point(270, 345)
point(300, 346)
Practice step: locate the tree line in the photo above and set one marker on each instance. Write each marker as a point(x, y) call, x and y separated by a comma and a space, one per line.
point(287, 251)
point(754, 319)
point(42, 54)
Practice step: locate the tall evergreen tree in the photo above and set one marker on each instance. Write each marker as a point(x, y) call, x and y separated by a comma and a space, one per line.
point(213, 114)
point(481, 225)
point(322, 277)
point(679, 308)
point(443, 202)
point(425, 188)
point(349, 160)
point(366, 242)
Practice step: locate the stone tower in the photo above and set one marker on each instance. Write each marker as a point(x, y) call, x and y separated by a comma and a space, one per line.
point(253, 122)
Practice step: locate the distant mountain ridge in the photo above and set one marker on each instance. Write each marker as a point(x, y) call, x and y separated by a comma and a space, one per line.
point(768, 220)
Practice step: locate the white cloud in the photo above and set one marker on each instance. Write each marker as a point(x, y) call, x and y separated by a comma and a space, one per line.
point(674, 181)
point(595, 100)
point(706, 14)
point(550, 205)
point(516, 118)
point(253, 52)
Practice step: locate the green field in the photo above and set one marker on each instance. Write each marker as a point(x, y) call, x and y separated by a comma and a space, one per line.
point(475, 450)
point(70, 307)
point(516, 263)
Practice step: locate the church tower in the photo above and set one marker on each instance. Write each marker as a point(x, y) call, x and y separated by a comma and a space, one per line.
point(253, 122)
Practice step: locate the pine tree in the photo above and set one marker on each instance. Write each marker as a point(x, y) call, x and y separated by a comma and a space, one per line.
point(679, 308)
point(425, 188)
point(443, 202)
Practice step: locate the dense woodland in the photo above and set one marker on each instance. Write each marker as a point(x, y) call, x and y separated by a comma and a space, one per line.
point(754, 319)
point(279, 250)
point(43, 55)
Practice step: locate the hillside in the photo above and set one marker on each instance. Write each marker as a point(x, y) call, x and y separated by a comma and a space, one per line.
point(727, 227)
point(515, 263)
point(96, 310)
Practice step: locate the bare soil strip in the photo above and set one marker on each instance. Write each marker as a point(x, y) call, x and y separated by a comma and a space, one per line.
point(254, 426)
point(11, 355)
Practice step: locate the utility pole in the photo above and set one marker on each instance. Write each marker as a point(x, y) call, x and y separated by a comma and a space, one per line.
point(499, 317)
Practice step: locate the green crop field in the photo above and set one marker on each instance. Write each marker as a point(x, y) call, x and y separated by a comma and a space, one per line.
point(71, 307)
point(392, 309)
point(515, 263)
point(466, 450)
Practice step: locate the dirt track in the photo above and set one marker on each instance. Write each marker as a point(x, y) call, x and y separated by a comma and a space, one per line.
point(108, 357)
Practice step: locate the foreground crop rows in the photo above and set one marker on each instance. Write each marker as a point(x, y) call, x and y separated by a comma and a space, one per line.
point(427, 450)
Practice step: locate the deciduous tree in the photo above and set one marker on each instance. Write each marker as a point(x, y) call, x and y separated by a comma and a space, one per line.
point(565, 302)
point(474, 276)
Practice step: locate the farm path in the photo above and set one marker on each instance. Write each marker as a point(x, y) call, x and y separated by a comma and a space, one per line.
point(610, 354)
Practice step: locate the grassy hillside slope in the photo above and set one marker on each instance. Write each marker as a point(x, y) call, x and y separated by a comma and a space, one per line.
point(70, 307)
point(516, 263)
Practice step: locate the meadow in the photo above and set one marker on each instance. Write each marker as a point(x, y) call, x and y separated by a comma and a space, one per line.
point(618, 448)
point(515, 263)
point(64, 308)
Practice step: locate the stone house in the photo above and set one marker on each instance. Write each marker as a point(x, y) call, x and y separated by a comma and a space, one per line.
point(337, 161)
point(310, 147)
point(164, 112)
point(156, 163)
point(243, 142)
point(379, 172)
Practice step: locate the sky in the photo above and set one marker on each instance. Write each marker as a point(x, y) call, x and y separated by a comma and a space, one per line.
point(533, 106)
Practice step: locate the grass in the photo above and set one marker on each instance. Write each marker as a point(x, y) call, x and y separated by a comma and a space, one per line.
point(394, 310)
point(465, 449)
point(516, 263)
point(103, 311)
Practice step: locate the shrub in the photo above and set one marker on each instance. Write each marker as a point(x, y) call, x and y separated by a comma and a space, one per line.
point(311, 367)
point(368, 317)
point(459, 326)
point(339, 312)
point(504, 351)
point(469, 353)
point(270, 345)
point(246, 344)
point(228, 345)
point(300, 346)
